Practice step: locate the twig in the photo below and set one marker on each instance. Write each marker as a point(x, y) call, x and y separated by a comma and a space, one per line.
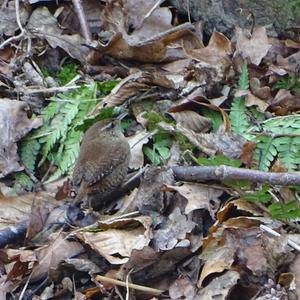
point(127, 284)
point(203, 173)
point(82, 20)
point(275, 135)
point(188, 11)
point(137, 287)
point(154, 7)
point(49, 90)
point(276, 234)
point(18, 18)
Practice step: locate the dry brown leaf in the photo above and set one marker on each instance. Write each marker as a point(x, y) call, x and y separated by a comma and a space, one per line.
point(118, 238)
point(219, 287)
point(295, 269)
point(254, 47)
point(15, 210)
point(229, 210)
point(43, 205)
point(150, 198)
point(217, 51)
point(8, 24)
point(14, 124)
point(49, 256)
point(128, 203)
point(173, 233)
point(148, 41)
point(199, 196)
point(217, 257)
point(252, 100)
point(182, 287)
point(136, 143)
point(137, 15)
point(132, 86)
point(192, 120)
point(262, 92)
point(292, 44)
point(228, 143)
point(285, 103)
point(290, 63)
point(43, 24)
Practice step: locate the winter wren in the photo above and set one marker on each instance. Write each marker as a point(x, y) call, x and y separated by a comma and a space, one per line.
point(102, 163)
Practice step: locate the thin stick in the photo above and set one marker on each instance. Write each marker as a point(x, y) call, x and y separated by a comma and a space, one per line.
point(82, 20)
point(276, 234)
point(18, 18)
point(154, 7)
point(137, 287)
point(49, 90)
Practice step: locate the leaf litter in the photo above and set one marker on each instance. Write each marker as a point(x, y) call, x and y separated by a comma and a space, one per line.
point(218, 101)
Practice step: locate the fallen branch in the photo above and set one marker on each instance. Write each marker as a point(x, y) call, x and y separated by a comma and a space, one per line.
point(221, 173)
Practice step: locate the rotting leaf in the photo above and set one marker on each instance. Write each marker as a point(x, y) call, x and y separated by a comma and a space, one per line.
point(14, 124)
point(43, 24)
point(199, 196)
point(136, 143)
point(192, 120)
point(116, 244)
point(173, 231)
point(254, 47)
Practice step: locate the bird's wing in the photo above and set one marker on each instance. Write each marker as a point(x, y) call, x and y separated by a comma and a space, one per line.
point(97, 160)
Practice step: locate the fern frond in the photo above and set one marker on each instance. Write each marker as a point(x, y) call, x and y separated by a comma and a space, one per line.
point(265, 153)
point(50, 111)
point(288, 151)
point(244, 78)
point(68, 155)
point(238, 113)
point(238, 117)
point(23, 180)
point(29, 150)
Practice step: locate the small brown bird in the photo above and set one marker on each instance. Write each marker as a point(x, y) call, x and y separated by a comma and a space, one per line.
point(102, 163)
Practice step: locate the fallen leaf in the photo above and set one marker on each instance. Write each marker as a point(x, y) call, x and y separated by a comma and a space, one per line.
point(43, 24)
point(8, 24)
point(254, 46)
point(14, 124)
point(219, 287)
point(192, 120)
point(284, 103)
point(182, 287)
point(217, 51)
point(199, 196)
point(227, 143)
point(173, 231)
point(116, 244)
point(136, 143)
point(252, 100)
point(49, 256)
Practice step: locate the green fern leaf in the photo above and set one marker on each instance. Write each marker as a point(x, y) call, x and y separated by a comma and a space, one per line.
point(288, 151)
point(238, 117)
point(29, 150)
point(50, 111)
point(238, 113)
point(265, 153)
point(67, 158)
point(23, 180)
point(244, 78)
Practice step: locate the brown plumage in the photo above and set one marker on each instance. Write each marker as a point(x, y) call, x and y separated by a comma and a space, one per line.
point(102, 163)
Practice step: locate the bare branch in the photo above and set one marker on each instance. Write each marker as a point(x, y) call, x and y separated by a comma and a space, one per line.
point(225, 172)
